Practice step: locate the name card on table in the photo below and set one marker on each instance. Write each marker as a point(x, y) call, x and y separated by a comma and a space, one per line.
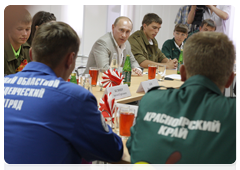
point(146, 85)
point(118, 92)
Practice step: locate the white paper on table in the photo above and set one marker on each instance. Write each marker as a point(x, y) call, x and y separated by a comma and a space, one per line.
point(147, 72)
point(146, 85)
point(118, 92)
point(174, 76)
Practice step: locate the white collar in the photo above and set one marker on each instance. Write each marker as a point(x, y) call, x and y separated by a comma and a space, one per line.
point(180, 48)
point(150, 42)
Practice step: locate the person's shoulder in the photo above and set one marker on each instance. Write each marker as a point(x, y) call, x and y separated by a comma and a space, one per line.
point(105, 36)
point(106, 39)
point(168, 42)
point(7, 47)
point(155, 92)
point(74, 91)
point(26, 46)
point(136, 34)
point(230, 100)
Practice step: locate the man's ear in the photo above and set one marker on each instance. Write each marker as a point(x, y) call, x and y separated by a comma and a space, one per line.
point(183, 73)
point(30, 53)
point(230, 80)
point(144, 25)
point(113, 26)
point(200, 28)
point(70, 59)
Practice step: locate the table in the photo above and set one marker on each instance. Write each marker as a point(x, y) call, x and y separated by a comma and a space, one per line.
point(135, 82)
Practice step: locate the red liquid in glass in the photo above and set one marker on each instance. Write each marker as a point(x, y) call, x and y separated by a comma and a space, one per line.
point(94, 75)
point(126, 122)
point(152, 72)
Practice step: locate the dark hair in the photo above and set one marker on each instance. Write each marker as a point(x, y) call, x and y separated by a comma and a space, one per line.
point(149, 18)
point(181, 28)
point(38, 19)
point(209, 23)
point(53, 41)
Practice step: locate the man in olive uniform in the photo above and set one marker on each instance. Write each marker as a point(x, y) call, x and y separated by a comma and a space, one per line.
point(17, 28)
point(195, 124)
point(144, 46)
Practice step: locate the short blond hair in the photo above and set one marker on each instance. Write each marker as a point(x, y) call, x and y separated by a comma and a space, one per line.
point(210, 54)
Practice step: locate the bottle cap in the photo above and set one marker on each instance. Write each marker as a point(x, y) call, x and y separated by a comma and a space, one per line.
point(73, 74)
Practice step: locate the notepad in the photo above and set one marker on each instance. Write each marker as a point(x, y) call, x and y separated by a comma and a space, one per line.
point(174, 76)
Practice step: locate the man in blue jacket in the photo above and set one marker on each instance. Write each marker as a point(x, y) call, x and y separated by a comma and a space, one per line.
point(48, 120)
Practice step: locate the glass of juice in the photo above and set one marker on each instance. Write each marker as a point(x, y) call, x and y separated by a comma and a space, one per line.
point(93, 71)
point(152, 71)
point(126, 121)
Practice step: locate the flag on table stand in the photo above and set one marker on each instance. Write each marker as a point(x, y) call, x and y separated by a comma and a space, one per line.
point(111, 78)
point(107, 106)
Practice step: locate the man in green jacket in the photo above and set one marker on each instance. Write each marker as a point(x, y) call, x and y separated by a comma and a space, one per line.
point(144, 46)
point(17, 28)
point(195, 124)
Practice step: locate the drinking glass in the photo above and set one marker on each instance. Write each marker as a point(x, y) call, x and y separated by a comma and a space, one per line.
point(87, 82)
point(126, 121)
point(93, 71)
point(152, 71)
point(161, 72)
point(120, 69)
point(114, 62)
point(101, 71)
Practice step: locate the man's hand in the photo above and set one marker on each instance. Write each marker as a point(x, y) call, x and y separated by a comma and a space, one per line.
point(191, 14)
point(137, 71)
point(175, 60)
point(172, 64)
